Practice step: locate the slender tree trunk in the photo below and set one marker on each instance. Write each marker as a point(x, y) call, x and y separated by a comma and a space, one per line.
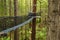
point(10, 14)
point(4, 12)
point(5, 7)
point(10, 8)
point(16, 32)
point(33, 36)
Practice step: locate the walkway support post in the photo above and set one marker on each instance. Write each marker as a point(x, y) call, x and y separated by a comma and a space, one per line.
point(33, 35)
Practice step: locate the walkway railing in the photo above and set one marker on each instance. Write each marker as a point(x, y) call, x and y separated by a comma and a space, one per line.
point(21, 31)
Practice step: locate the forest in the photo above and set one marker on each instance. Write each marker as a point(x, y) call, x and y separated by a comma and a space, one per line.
point(16, 12)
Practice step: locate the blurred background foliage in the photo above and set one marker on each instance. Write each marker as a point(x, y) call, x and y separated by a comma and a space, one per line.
point(24, 7)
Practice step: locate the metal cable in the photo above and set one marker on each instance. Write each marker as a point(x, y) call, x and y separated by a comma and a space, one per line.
point(15, 27)
point(20, 25)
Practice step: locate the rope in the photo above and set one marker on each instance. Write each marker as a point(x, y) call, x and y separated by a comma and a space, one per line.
point(18, 26)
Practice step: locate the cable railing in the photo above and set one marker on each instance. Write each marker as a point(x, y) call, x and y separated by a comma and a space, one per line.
point(15, 27)
point(25, 26)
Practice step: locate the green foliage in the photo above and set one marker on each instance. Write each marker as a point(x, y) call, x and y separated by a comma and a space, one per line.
point(41, 33)
point(24, 7)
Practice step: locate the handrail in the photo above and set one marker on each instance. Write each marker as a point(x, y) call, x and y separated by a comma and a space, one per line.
point(20, 25)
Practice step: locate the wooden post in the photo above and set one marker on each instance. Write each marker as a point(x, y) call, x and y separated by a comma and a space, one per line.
point(16, 32)
point(34, 21)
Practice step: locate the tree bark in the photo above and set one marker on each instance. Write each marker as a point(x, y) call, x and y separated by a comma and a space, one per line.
point(33, 35)
point(10, 8)
point(53, 20)
point(16, 32)
point(5, 7)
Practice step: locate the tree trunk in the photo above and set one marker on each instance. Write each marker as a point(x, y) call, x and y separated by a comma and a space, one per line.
point(16, 32)
point(33, 35)
point(10, 8)
point(53, 20)
point(5, 8)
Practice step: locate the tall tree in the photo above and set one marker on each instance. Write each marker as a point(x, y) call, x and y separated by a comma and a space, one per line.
point(5, 7)
point(10, 7)
point(16, 32)
point(53, 20)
